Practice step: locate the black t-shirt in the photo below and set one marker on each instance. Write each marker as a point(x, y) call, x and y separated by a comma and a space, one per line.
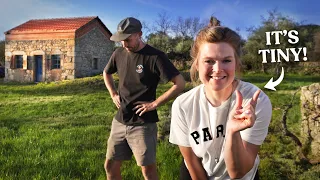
point(139, 74)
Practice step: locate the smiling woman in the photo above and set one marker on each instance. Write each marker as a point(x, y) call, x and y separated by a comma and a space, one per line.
point(216, 65)
point(220, 124)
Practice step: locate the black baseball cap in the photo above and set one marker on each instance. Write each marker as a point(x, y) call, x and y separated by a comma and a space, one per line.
point(125, 28)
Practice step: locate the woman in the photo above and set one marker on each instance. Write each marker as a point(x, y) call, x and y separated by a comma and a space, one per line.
point(220, 124)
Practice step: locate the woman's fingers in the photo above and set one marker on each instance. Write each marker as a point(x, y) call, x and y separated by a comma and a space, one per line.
point(255, 97)
point(247, 114)
point(239, 99)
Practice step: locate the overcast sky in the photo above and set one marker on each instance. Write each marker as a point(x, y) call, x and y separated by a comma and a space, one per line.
point(233, 13)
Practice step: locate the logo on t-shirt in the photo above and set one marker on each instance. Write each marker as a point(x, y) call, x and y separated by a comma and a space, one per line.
point(206, 135)
point(139, 68)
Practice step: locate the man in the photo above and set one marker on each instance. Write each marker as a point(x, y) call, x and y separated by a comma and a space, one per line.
point(140, 68)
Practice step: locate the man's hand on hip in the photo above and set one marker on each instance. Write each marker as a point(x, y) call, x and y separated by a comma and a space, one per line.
point(144, 106)
point(116, 100)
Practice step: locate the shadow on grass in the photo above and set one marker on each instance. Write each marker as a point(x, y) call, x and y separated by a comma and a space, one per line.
point(78, 86)
point(59, 123)
point(13, 123)
point(290, 81)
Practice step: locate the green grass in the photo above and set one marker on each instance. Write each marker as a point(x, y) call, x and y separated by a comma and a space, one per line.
point(59, 130)
point(278, 153)
point(55, 130)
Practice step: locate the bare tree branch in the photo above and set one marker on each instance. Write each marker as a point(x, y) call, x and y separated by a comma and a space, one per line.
point(163, 23)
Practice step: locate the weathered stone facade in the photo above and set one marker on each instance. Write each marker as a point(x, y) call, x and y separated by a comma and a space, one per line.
point(310, 112)
point(32, 55)
point(44, 48)
point(91, 46)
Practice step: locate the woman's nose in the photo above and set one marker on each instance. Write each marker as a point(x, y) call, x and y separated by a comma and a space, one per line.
point(217, 66)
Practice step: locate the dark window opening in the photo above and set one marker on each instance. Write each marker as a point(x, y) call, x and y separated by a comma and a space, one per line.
point(95, 63)
point(29, 62)
point(19, 61)
point(55, 61)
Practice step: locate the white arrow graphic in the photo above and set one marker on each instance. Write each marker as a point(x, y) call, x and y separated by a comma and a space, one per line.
point(271, 84)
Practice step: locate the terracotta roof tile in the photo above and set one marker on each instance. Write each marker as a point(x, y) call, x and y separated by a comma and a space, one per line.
point(57, 24)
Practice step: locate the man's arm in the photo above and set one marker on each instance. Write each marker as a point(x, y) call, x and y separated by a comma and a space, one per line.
point(108, 81)
point(178, 86)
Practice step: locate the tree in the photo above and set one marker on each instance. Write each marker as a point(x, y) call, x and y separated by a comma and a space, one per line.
point(182, 49)
point(160, 41)
point(163, 23)
point(188, 27)
point(174, 37)
point(146, 30)
point(160, 38)
point(257, 41)
point(317, 42)
point(182, 26)
point(311, 34)
point(196, 26)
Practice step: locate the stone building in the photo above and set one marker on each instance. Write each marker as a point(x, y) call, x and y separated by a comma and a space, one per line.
point(57, 49)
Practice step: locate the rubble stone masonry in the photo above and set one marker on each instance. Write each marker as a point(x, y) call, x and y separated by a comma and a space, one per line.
point(80, 57)
point(310, 112)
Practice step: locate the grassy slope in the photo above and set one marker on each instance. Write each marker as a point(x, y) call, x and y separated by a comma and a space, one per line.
point(278, 152)
point(59, 130)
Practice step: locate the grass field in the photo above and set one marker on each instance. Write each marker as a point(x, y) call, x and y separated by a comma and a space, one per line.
point(59, 130)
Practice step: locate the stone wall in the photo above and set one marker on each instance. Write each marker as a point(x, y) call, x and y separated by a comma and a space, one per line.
point(310, 112)
point(76, 55)
point(46, 48)
point(93, 45)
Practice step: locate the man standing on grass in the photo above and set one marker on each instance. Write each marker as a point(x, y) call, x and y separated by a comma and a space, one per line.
point(140, 68)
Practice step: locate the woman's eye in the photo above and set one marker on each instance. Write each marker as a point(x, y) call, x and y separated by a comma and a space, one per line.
point(226, 60)
point(209, 61)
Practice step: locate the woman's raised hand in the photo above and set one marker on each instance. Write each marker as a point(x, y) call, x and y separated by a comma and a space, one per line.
point(243, 117)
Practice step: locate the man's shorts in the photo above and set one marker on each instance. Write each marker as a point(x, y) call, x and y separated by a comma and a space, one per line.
point(140, 140)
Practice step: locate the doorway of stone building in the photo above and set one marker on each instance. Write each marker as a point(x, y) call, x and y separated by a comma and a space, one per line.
point(38, 59)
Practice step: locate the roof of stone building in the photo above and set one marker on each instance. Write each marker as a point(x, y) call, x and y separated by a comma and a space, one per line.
point(56, 24)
